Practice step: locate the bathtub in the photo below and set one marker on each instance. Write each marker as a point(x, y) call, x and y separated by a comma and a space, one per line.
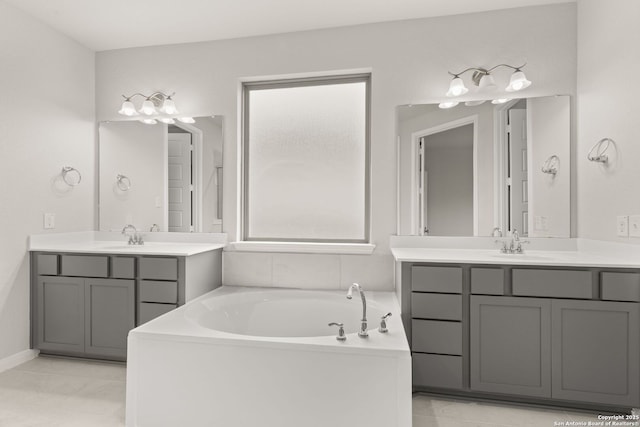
point(244, 357)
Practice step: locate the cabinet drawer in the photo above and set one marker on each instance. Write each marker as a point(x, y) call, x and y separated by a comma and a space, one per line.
point(433, 336)
point(552, 283)
point(149, 311)
point(436, 370)
point(436, 306)
point(621, 286)
point(84, 266)
point(153, 291)
point(436, 279)
point(487, 281)
point(159, 268)
point(123, 267)
point(47, 264)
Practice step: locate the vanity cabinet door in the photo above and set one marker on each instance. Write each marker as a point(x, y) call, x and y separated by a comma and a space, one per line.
point(110, 315)
point(511, 345)
point(60, 314)
point(596, 355)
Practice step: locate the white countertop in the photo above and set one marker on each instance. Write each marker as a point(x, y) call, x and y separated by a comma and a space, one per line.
point(569, 258)
point(114, 243)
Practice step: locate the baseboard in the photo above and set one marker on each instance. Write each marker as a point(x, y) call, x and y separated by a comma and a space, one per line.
point(17, 359)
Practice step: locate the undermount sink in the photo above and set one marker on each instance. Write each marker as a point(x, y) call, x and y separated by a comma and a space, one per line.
point(123, 246)
point(524, 256)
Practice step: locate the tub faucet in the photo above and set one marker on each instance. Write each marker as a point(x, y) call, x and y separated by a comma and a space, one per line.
point(363, 327)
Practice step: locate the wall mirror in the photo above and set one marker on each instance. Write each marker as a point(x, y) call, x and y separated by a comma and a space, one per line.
point(167, 175)
point(483, 169)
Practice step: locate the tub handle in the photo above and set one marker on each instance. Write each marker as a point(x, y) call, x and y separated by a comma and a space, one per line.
point(383, 324)
point(341, 336)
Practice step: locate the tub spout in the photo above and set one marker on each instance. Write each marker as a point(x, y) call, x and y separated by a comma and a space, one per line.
point(363, 327)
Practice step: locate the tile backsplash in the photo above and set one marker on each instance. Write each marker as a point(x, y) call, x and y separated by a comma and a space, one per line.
point(308, 271)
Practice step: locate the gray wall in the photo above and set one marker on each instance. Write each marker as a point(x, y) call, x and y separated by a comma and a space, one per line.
point(47, 121)
point(607, 105)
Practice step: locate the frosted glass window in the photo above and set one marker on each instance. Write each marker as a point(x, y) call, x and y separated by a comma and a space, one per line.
point(306, 160)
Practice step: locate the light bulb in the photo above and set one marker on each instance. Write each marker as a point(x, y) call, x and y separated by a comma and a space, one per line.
point(474, 103)
point(457, 87)
point(128, 109)
point(148, 121)
point(517, 82)
point(186, 119)
point(169, 107)
point(148, 109)
point(167, 120)
point(487, 82)
point(448, 104)
point(500, 101)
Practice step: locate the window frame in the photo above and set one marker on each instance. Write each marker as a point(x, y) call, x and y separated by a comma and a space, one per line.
point(249, 86)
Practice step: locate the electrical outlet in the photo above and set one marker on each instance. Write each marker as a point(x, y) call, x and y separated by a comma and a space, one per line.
point(49, 221)
point(622, 226)
point(634, 225)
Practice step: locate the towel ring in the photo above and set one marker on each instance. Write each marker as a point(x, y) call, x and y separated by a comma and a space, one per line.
point(123, 182)
point(600, 155)
point(550, 165)
point(71, 176)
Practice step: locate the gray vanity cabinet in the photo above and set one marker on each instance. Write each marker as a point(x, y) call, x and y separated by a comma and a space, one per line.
point(60, 308)
point(510, 345)
point(595, 352)
point(85, 304)
point(81, 308)
point(543, 334)
point(436, 328)
point(109, 316)
point(85, 316)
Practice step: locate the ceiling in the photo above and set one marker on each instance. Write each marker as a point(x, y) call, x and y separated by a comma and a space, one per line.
point(116, 24)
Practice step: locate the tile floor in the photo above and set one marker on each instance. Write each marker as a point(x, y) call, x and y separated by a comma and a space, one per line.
point(56, 392)
point(439, 412)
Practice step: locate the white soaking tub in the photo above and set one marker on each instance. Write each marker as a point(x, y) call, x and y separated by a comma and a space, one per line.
point(243, 357)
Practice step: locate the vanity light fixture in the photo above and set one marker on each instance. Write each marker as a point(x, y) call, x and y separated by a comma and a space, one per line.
point(500, 101)
point(186, 119)
point(483, 78)
point(154, 104)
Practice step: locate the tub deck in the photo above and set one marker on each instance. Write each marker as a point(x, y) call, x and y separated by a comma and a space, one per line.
point(180, 373)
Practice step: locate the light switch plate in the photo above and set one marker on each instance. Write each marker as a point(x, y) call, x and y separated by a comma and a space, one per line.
point(622, 226)
point(634, 225)
point(49, 220)
point(541, 223)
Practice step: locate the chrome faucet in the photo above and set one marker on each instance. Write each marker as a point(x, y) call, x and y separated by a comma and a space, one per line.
point(132, 232)
point(515, 241)
point(363, 326)
point(515, 245)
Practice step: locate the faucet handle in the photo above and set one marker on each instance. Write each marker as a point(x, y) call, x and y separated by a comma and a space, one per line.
point(341, 336)
point(519, 248)
point(503, 243)
point(383, 324)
